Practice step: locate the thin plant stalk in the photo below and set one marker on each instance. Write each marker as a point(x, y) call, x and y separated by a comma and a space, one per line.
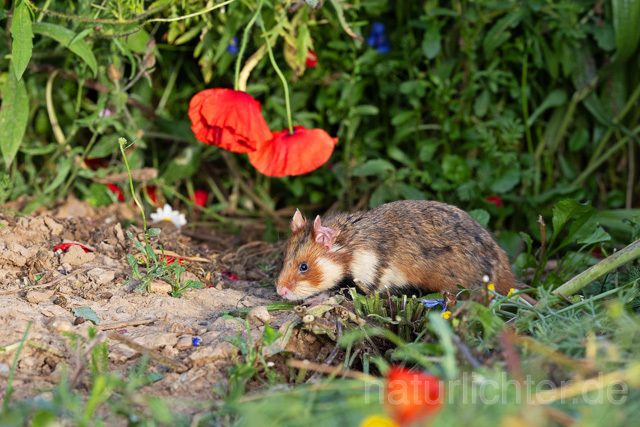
point(9, 392)
point(284, 81)
point(243, 43)
point(122, 142)
point(612, 262)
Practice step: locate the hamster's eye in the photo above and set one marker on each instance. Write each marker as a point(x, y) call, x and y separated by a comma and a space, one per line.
point(303, 267)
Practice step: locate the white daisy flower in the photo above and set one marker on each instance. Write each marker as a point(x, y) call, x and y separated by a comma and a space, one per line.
point(168, 214)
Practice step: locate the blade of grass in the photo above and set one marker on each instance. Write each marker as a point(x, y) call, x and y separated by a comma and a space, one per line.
point(7, 396)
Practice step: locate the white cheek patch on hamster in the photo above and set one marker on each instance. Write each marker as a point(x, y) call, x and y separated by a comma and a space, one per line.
point(409, 244)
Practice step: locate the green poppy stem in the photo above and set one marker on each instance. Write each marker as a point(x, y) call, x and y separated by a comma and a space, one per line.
point(284, 81)
point(243, 45)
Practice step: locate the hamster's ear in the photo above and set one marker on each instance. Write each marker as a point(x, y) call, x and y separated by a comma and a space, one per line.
point(325, 236)
point(298, 221)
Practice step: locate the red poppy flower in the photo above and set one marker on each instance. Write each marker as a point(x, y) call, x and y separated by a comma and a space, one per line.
point(312, 59)
point(229, 119)
point(96, 163)
point(200, 197)
point(293, 154)
point(411, 396)
point(151, 192)
point(115, 189)
point(64, 247)
point(496, 200)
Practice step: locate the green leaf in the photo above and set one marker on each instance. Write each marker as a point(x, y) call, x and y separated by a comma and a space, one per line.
point(269, 335)
point(64, 167)
point(506, 182)
point(184, 165)
point(431, 42)
point(578, 140)
point(570, 210)
point(192, 284)
point(381, 195)
point(373, 167)
point(366, 110)
point(481, 216)
point(481, 104)
point(554, 99)
point(598, 235)
point(153, 231)
point(14, 114)
point(105, 146)
point(626, 16)
point(409, 192)
point(605, 36)
point(22, 36)
point(67, 39)
point(86, 313)
point(499, 34)
point(455, 169)
point(137, 42)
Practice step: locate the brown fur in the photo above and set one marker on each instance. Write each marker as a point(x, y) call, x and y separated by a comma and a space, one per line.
point(427, 245)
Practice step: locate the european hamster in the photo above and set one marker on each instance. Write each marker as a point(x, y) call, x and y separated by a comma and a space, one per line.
point(404, 246)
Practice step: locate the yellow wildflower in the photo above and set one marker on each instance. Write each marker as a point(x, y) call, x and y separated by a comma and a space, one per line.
point(511, 291)
point(378, 421)
point(445, 314)
point(491, 286)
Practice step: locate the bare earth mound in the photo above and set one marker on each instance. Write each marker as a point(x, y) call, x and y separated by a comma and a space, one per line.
point(41, 286)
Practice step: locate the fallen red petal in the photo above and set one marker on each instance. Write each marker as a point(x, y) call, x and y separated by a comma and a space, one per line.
point(63, 247)
point(170, 259)
point(229, 275)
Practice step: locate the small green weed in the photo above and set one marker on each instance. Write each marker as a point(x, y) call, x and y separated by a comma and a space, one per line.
point(252, 362)
point(156, 268)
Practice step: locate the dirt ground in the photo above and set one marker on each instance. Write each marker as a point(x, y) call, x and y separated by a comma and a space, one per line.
point(41, 286)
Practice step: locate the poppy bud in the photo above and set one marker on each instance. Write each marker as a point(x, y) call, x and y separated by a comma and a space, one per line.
point(113, 73)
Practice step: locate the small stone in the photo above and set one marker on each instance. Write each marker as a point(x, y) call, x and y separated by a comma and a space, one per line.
point(76, 256)
point(105, 295)
point(258, 315)
point(160, 287)
point(205, 355)
point(79, 320)
point(184, 342)
point(121, 309)
point(60, 300)
point(169, 352)
point(55, 227)
point(36, 297)
point(100, 276)
point(61, 325)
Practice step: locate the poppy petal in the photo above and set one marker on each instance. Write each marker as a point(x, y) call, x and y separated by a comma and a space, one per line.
point(293, 154)
point(411, 396)
point(228, 118)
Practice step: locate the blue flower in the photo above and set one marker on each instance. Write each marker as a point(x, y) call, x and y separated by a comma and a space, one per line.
point(196, 341)
point(233, 46)
point(430, 303)
point(377, 39)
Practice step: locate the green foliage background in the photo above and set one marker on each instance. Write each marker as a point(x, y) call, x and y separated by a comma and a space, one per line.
point(532, 101)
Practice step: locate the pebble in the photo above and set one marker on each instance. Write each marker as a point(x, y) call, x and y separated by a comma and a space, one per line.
point(258, 315)
point(36, 297)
